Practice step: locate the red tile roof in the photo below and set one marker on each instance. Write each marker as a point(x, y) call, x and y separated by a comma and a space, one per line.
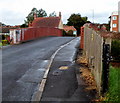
point(46, 22)
point(67, 28)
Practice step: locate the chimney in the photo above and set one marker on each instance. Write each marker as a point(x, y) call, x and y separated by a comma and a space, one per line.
point(35, 16)
point(60, 14)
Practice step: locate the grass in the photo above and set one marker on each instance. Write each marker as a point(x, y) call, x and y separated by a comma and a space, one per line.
point(113, 93)
point(0, 44)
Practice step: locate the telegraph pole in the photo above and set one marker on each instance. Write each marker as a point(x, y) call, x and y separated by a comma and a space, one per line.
point(93, 15)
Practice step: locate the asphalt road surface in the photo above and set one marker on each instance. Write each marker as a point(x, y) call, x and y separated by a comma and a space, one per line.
point(23, 66)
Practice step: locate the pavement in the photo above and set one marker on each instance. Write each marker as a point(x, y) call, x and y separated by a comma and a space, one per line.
point(63, 81)
point(1, 47)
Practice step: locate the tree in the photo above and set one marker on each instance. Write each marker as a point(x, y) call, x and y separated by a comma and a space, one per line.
point(42, 13)
point(53, 14)
point(30, 17)
point(77, 21)
point(2, 24)
point(24, 25)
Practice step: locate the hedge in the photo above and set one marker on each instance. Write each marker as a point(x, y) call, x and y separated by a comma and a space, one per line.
point(115, 49)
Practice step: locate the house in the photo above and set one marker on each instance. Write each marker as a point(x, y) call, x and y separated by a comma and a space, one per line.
point(70, 28)
point(119, 14)
point(5, 31)
point(115, 20)
point(114, 24)
point(51, 22)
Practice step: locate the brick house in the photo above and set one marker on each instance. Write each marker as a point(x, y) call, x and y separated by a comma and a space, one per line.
point(70, 28)
point(5, 32)
point(119, 14)
point(51, 22)
point(115, 20)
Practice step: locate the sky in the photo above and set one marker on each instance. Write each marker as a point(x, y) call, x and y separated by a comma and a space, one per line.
point(14, 12)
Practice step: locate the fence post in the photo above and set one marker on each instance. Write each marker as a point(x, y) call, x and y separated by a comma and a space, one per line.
point(106, 61)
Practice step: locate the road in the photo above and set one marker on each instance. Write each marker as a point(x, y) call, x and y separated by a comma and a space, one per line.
point(23, 66)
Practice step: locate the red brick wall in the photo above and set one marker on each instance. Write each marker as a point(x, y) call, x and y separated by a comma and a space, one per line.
point(82, 38)
point(34, 33)
point(115, 22)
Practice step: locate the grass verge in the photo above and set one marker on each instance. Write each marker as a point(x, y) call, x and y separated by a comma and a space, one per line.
point(0, 44)
point(113, 93)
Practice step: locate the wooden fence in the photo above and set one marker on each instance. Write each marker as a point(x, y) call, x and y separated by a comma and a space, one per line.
point(93, 50)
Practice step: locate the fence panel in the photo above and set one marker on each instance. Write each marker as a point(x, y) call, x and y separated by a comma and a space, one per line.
point(93, 50)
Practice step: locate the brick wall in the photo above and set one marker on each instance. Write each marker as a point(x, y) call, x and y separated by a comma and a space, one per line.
point(115, 22)
point(26, 34)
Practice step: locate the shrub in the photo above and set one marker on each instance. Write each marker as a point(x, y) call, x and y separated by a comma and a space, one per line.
point(115, 50)
point(70, 32)
point(64, 33)
point(4, 42)
point(0, 44)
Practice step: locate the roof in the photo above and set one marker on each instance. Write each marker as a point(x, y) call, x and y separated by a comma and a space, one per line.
point(46, 22)
point(67, 28)
point(6, 29)
point(115, 13)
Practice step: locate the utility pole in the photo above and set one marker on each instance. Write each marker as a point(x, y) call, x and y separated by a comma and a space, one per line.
point(93, 15)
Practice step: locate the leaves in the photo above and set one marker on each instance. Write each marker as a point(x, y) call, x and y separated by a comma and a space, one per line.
point(53, 14)
point(39, 13)
point(77, 21)
point(42, 13)
point(115, 49)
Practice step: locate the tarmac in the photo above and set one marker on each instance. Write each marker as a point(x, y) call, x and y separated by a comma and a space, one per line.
point(63, 82)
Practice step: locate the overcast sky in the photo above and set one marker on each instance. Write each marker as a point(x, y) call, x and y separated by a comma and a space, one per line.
point(14, 12)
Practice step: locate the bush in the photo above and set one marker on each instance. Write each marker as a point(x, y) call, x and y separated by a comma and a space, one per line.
point(115, 50)
point(0, 44)
point(64, 33)
point(69, 33)
point(4, 42)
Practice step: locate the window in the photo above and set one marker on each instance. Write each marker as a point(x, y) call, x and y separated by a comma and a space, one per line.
point(114, 18)
point(114, 25)
point(74, 32)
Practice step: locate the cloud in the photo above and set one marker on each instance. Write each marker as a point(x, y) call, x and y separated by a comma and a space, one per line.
point(13, 12)
point(12, 17)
